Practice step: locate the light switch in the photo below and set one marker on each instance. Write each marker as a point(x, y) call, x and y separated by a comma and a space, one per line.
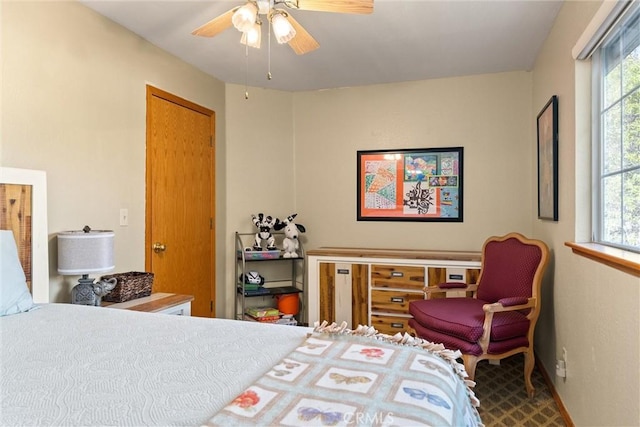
point(124, 217)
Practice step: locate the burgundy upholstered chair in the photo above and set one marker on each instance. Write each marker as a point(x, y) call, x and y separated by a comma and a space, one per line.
point(499, 319)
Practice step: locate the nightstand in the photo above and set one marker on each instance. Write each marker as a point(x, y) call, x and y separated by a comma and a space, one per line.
point(175, 304)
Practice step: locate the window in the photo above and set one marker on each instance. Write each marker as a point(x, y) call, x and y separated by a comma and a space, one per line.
point(616, 65)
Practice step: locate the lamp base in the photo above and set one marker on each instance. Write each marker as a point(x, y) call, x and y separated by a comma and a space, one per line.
point(82, 293)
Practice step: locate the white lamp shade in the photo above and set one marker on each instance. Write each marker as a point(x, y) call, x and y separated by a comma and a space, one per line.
point(253, 36)
point(84, 253)
point(282, 28)
point(245, 17)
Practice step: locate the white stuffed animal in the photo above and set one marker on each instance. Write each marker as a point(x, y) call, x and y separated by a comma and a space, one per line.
point(290, 244)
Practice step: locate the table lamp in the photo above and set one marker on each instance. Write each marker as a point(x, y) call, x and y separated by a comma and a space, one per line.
point(84, 252)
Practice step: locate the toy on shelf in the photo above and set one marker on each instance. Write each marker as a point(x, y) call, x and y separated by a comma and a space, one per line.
point(290, 244)
point(252, 283)
point(252, 279)
point(264, 225)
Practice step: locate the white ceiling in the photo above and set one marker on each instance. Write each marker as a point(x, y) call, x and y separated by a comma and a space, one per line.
point(400, 41)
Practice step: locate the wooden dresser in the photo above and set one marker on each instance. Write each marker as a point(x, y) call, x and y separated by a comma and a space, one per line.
point(374, 286)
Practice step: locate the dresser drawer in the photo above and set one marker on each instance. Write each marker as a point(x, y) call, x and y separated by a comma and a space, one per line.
point(390, 324)
point(397, 276)
point(437, 275)
point(393, 301)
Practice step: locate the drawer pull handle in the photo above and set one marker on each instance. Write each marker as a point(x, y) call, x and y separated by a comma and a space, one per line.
point(343, 271)
point(397, 299)
point(397, 325)
point(456, 277)
point(397, 274)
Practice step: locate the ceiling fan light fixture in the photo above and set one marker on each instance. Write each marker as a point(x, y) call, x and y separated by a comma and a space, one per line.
point(253, 36)
point(245, 17)
point(282, 28)
point(263, 6)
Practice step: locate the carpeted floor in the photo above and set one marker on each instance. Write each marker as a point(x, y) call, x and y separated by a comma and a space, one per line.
point(504, 400)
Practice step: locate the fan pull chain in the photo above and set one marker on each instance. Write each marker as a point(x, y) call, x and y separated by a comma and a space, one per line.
point(269, 53)
point(246, 72)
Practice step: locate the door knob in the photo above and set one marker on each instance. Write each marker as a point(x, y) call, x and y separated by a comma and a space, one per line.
point(159, 247)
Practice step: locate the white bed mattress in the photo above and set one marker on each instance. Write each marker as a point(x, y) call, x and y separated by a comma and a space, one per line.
point(66, 364)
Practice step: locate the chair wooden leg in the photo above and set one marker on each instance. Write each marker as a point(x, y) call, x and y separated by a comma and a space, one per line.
point(529, 362)
point(411, 331)
point(470, 363)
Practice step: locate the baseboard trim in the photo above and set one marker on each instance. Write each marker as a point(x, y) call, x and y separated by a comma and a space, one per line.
point(554, 393)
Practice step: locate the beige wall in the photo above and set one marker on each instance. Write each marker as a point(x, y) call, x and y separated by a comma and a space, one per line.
point(588, 308)
point(73, 104)
point(488, 115)
point(73, 92)
point(260, 159)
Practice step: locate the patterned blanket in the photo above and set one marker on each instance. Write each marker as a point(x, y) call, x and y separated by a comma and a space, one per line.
point(340, 377)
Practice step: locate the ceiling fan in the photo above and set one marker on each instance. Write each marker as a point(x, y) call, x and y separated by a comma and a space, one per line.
point(247, 19)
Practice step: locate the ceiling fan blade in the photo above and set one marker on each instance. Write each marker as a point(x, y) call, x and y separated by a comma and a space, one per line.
point(302, 42)
point(216, 25)
point(339, 6)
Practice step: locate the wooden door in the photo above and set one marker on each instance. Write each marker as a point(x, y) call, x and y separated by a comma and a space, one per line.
point(180, 199)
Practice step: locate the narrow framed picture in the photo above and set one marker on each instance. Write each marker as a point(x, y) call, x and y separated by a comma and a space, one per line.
point(547, 126)
point(410, 185)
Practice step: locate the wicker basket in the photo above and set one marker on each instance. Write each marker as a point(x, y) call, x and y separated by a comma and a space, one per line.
point(130, 286)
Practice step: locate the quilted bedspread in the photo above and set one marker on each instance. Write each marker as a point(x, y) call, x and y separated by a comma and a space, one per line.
point(344, 377)
point(77, 365)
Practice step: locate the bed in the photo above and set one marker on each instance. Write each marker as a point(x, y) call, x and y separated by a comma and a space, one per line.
point(65, 364)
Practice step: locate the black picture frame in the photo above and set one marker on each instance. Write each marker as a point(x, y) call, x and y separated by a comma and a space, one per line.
point(547, 132)
point(424, 184)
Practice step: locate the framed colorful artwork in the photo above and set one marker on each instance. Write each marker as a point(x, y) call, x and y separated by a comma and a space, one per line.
point(410, 185)
point(547, 126)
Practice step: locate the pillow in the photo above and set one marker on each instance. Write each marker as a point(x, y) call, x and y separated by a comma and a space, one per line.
point(14, 293)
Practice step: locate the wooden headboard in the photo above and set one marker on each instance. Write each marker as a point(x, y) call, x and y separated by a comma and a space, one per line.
point(23, 210)
point(15, 205)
